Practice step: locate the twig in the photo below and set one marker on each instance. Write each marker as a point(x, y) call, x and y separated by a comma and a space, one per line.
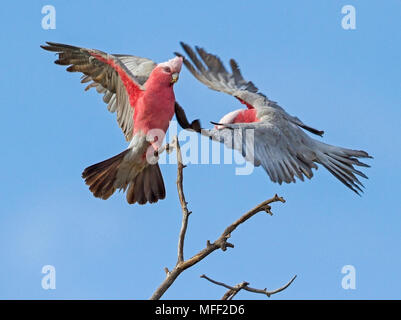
point(181, 196)
point(232, 291)
point(220, 243)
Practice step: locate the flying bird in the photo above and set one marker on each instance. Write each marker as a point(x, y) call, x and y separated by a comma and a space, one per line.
point(141, 93)
point(265, 133)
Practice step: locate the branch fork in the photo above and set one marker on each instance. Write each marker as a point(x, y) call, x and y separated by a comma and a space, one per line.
point(233, 290)
point(221, 243)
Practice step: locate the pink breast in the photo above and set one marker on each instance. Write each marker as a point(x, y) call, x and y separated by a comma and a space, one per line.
point(246, 116)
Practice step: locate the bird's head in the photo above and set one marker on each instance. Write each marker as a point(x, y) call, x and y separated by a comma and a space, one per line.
point(227, 119)
point(168, 72)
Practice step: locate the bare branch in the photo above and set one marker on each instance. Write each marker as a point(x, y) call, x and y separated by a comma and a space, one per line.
point(220, 243)
point(232, 291)
point(185, 212)
point(167, 271)
point(181, 196)
point(230, 294)
point(217, 282)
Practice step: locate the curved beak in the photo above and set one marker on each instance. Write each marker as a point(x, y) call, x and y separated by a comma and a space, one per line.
point(174, 77)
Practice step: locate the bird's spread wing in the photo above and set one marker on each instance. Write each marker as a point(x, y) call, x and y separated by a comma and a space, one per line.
point(210, 71)
point(282, 153)
point(286, 152)
point(118, 77)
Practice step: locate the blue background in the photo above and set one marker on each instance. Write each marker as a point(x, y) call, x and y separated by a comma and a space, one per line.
point(346, 82)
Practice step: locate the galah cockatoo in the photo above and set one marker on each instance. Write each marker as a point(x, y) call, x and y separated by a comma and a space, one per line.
point(277, 142)
point(141, 93)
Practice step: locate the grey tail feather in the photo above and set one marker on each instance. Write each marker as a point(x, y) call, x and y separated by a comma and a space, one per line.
point(101, 176)
point(147, 186)
point(340, 163)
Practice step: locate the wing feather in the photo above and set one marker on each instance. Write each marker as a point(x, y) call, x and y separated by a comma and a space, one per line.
point(283, 154)
point(104, 72)
point(210, 71)
point(286, 152)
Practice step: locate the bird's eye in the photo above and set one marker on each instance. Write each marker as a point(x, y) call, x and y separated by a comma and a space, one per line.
point(167, 69)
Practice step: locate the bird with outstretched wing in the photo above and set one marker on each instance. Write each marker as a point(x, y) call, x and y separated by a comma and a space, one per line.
point(265, 133)
point(141, 93)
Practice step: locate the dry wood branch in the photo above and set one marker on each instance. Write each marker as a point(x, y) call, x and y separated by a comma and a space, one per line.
point(232, 291)
point(183, 202)
point(220, 243)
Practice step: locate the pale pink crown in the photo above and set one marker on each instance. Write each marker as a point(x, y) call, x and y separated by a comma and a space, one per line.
point(175, 64)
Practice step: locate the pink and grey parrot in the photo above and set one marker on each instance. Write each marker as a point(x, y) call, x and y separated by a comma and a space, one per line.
point(141, 93)
point(278, 143)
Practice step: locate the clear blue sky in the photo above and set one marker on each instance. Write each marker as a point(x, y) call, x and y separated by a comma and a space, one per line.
point(345, 82)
